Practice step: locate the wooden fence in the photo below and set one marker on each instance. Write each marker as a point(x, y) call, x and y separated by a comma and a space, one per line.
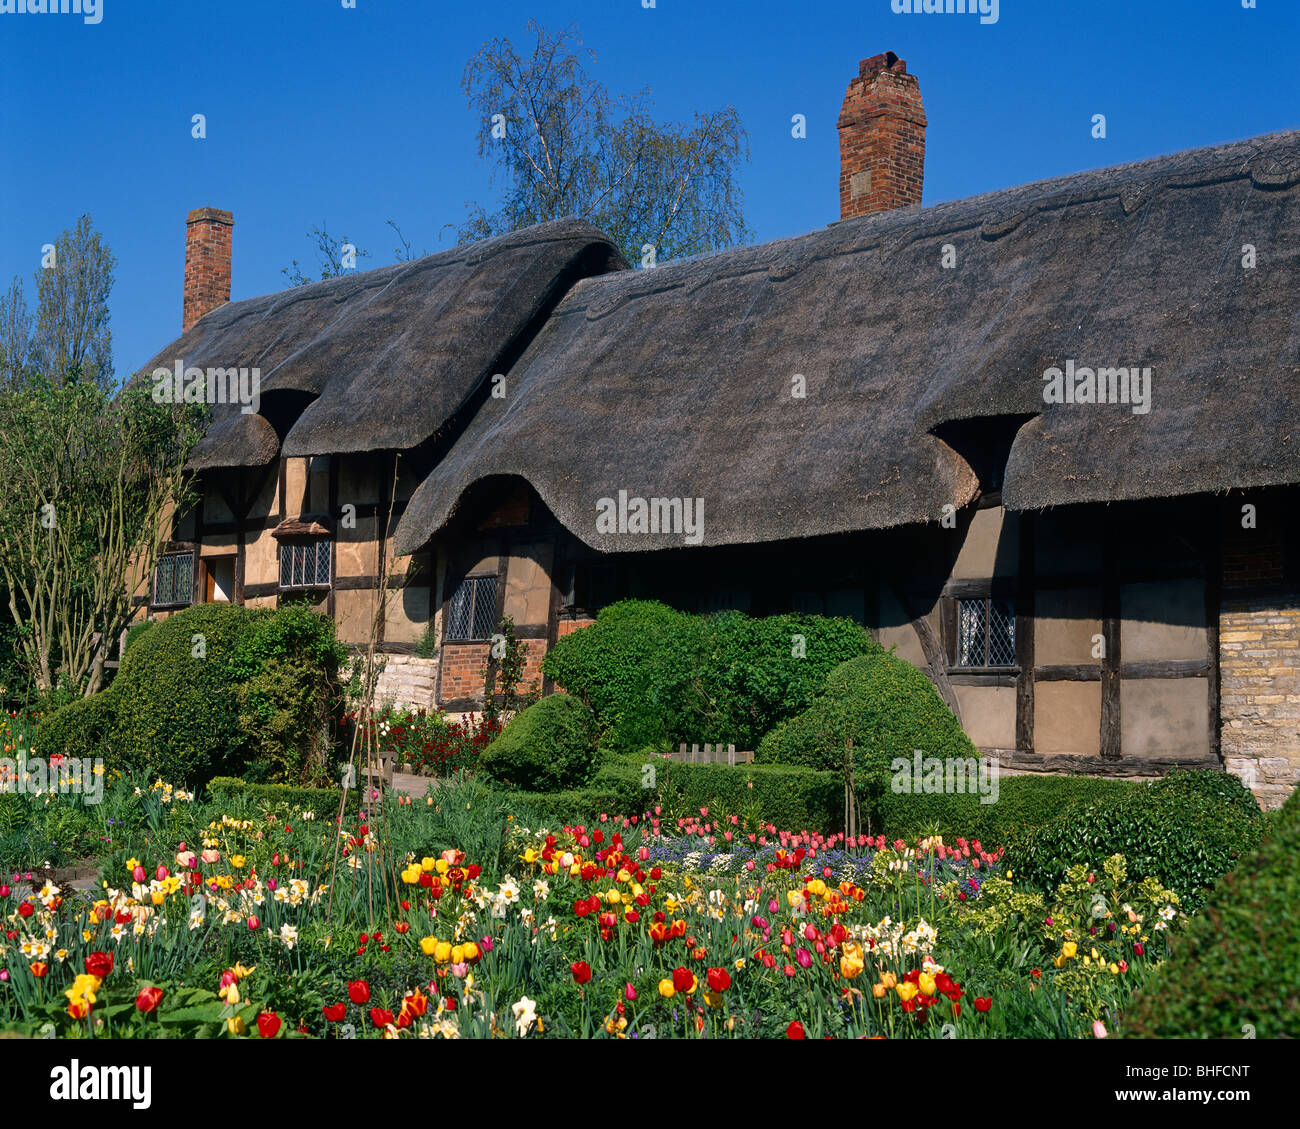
point(711, 754)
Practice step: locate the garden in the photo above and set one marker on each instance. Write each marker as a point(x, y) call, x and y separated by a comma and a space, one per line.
point(556, 875)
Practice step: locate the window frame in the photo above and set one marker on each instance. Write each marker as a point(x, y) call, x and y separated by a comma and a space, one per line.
point(315, 585)
point(475, 580)
point(171, 556)
point(987, 599)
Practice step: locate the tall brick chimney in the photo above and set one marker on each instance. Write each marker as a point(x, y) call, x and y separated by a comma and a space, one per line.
point(882, 139)
point(207, 262)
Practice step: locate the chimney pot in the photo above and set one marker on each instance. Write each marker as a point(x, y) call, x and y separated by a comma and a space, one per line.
point(882, 138)
point(208, 234)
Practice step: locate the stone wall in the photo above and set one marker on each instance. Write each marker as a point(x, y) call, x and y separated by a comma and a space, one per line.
point(407, 682)
point(1259, 693)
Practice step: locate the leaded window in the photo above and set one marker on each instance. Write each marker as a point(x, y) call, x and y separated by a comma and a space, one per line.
point(471, 612)
point(173, 583)
point(986, 632)
point(305, 564)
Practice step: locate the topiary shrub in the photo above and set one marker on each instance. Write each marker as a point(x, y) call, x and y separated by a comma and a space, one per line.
point(1238, 961)
point(889, 709)
point(79, 729)
point(134, 632)
point(656, 677)
point(216, 689)
point(550, 746)
point(1186, 830)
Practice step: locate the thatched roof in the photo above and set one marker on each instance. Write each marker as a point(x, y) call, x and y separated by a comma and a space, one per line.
point(676, 382)
point(387, 355)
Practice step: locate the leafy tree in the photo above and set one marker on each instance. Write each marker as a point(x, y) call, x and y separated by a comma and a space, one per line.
point(329, 256)
point(71, 340)
point(86, 501)
point(15, 337)
point(565, 147)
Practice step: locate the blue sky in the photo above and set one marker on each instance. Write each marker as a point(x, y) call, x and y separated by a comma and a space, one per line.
point(351, 117)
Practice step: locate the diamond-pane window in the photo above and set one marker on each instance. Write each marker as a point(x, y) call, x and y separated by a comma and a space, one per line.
point(986, 632)
point(471, 612)
point(305, 564)
point(174, 580)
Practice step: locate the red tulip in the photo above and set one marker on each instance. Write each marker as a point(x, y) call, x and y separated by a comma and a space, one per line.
point(268, 1025)
point(99, 964)
point(26, 910)
point(682, 979)
point(359, 992)
point(148, 999)
point(1137, 948)
point(581, 971)
point(983, 1003)
point(380, 1017)
point(335, 1012)
point(253, 923)
point(719, 979)
point(795, 1031)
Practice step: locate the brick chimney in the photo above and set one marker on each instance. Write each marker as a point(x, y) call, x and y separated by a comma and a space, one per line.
point(207, 262)
point(882, 139)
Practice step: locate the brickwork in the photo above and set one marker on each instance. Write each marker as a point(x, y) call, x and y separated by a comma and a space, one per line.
point(462, 670)
point(882, 139)
point(1259, 693)
point(208, 234)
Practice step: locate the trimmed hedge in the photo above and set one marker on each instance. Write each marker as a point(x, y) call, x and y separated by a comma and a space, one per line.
point(1238, 961)
point(792, 798)
point(886, 705)
point(323, 801)
point(1023, 803)
point(655, 676)
point(1186, 829)
point(550, 745)
point(214, 690)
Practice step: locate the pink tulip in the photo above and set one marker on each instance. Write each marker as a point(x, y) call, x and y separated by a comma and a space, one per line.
point(804, 957)
point(629, 993)
point(773, 906)
point(253, 923)
point(138, 875)
point(643, 854)
point(749, 865)
point(4, 890)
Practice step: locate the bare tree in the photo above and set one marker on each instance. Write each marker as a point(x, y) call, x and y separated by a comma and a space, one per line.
point(563, 146)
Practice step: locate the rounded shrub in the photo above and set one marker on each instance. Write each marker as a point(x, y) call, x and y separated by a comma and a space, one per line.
point(1186, 830)
point(889, 709)
point(548, 747)
point(654, 676)
point(1238, 961)
point(80, 729)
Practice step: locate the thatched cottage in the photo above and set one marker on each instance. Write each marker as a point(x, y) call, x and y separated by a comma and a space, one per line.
point(1044, 440)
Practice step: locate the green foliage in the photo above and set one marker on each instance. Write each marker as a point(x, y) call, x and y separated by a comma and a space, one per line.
point(655, 676)
point(134, 632)
point(215, 689)
point(1186, 830)
point(551, 745)
point(1238, 962)
point(1023, 802)
point(288, 670)
point(888, 708)
point(571, 149)
point(504, 675)
point(82, 728)
point(227, 792)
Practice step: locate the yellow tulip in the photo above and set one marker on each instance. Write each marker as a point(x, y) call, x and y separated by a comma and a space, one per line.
point(666, 989)
point(889, 980)
point(850, 966)
point(428, 945)
point(906, 990)
point(1069, 949)
point(157, 897)
point(794, 897)
point(427, 864)
point(458, 954)
point(442, 952)
point(235, 1025)
point(879, 991)
point(471, 950)
point(442, 866)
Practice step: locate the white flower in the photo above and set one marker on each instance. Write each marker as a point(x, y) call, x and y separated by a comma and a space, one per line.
point(509, 891)
point(541, 890)
point(525, 1013)
point(288, 935)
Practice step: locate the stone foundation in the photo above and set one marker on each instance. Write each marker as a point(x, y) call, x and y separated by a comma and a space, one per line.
point(1259, 693)
point(407, 682)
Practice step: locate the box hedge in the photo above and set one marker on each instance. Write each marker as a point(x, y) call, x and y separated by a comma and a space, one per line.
point(323, 801)
point(1186, 829)
point(549, 746)
point(656, 676)
point(1237, 963)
